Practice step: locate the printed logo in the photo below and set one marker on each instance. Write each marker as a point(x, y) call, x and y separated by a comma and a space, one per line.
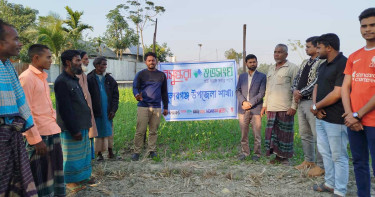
point(355, 61)
point(372, 65)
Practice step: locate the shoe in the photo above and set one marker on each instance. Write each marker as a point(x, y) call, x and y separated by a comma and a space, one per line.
point(135, 157)
point(153, 154)
point(255, 158)
point(315, 171)
point(242, 157)
point(322, 188)
point(100, 158)
point(305, 165)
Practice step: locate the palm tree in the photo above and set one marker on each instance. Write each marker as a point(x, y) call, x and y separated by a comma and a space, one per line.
point(75, 27)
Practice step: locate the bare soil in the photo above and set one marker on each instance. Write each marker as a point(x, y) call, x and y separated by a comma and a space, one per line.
point(201, 178)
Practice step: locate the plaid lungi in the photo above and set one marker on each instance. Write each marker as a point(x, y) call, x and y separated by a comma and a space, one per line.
point(279, 134)
point(16, 178)
point(48, 170)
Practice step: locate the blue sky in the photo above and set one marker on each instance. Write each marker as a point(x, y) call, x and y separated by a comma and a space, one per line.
point(217, 24)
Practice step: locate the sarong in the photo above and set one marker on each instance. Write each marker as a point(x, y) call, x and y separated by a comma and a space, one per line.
point(92, 145)
point(16, 178)
point(279, 134)
point(77, 157)
point(48, 170)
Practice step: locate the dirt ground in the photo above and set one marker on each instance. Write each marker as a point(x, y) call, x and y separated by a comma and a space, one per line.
point(201, 178)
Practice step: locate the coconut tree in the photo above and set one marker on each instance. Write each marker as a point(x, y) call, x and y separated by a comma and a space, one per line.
point(74, 26)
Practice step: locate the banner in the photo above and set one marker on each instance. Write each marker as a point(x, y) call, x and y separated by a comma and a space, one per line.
point(201, 90)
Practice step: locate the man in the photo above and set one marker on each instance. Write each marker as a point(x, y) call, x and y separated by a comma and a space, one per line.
point(359, 103)
point(15, 117)
point(250, 91)
point(105, 96)
point(74, 118)
point(149, 89)
point(43, 140)
point(303, 86)
point(280, 107)
point(93, 132)
point(332, 138)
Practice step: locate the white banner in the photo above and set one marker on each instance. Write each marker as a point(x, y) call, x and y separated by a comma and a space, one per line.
point(201, 90)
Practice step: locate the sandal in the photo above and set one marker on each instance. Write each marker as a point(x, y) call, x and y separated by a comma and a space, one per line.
point(74, 187)
point(89, 181)
point(322, 188)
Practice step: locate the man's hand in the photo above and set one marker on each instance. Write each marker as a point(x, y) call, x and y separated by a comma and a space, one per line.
point(139, 97)
point(263, 111)
point(165, 112)
point(356, 127)
point(290, 112)
point(321, 114)
point(313, 111)
point(40, 148)
point(77, 136)
point(246, 105)
point(349, 119)
point(111, 115)
point(297, 95)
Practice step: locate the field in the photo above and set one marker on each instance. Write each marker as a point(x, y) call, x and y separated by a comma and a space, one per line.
point(196, 158)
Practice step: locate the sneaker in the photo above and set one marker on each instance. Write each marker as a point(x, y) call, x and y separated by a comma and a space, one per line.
point(315, 171)
point(242, 157)
point(135, 157)
point(255, 158)
point(153, 154)
point(100, 158)
point(305, 165)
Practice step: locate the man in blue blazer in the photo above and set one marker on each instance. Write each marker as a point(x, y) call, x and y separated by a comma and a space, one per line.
point(250, 90)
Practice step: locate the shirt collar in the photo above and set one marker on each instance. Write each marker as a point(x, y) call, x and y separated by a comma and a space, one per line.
point(335, 59)
point(42, 75)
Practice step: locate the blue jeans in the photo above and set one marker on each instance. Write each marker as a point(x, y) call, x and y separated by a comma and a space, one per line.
point(360, 143)
point(332, 140)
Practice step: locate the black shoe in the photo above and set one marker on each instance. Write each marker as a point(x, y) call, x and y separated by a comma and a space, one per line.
point(135, 157)
point(255, 158)
point(153, 154)
point(100, 158)
point(242, 157)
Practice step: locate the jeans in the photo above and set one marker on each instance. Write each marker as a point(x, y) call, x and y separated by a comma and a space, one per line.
point(306, 122)
point(361, 143)
point(332, 144)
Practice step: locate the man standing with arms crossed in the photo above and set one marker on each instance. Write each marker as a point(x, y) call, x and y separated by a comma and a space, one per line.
point(303, 87)
point(358, 97)
point(280, 107)
point(332, 137)
point(250, 91)
point(149, 89)
point(43, 140)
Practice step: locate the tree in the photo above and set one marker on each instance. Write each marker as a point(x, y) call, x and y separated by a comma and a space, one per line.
point(22, 18)
point(296, 45)
point(142, 12)
point(232, 54)
point(75, 27)
point(162, 51)
point(98, 41)
point(119, 35)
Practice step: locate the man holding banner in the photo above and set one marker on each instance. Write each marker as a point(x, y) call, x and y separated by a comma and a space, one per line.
point(150, 89)
point(250, 91)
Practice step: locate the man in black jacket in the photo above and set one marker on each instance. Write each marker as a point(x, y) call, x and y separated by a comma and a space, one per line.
point(74, 119)
point(105, 98)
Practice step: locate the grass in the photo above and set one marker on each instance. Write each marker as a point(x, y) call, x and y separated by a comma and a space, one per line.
point(188, 140)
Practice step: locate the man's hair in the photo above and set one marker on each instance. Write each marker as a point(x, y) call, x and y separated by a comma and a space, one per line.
point(36, 49)
point(150, 54)
point(367, 13)
point(251, 56)
point(82, 53)
point(99, 60)
point(330, 39)
point(3, 24)
point(283, 46)
point(313, 40)
point(68, 55)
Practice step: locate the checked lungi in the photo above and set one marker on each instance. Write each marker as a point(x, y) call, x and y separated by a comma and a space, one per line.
point(279, 134)
point(48, 170)
point(77, 157)
point(16, 178)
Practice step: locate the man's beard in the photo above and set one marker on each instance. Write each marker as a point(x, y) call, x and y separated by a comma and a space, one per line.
point(84, 68)
point(252, 68)
point(76, 70)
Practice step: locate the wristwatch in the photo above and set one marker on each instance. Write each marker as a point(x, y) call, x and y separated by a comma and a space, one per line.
point(314, 107)
point(356, 116)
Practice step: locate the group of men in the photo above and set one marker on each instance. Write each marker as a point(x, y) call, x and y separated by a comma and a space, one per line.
point(59, 145)
point(335, 101)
